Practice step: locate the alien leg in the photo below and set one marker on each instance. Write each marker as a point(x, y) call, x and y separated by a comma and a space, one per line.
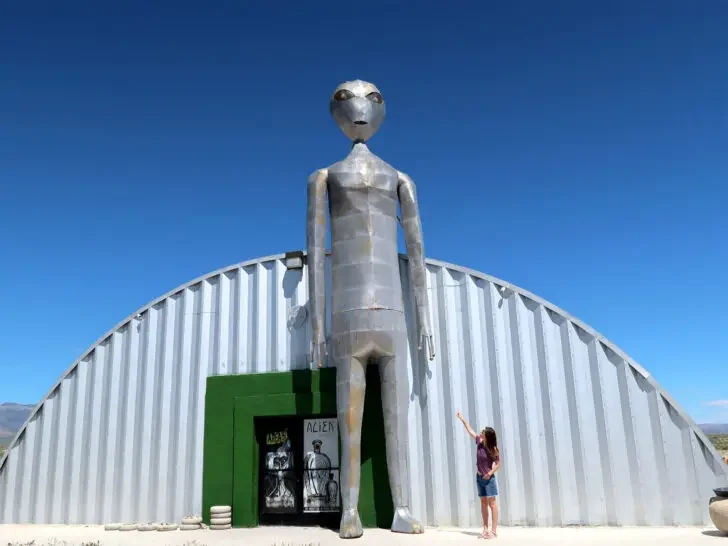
point(395, 403)
point(350, 390)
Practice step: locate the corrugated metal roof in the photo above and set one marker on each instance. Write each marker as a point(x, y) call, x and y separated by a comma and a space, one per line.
point(587, 436)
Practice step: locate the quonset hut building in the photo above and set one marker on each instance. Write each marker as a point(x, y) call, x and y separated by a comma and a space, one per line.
point(201, 396)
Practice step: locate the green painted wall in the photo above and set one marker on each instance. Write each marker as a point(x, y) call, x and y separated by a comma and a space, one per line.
point(230, 460)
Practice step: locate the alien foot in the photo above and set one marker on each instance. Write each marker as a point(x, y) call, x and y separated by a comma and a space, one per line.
point(350, 524)
point(404, 522)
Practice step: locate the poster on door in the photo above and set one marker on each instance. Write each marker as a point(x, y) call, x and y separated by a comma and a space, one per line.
point(321, 465)
point(279, 478)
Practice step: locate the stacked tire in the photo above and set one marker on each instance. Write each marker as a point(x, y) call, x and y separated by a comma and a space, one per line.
point(221, 518)
point(164, 526)
point(191, 523)
point(141, 526)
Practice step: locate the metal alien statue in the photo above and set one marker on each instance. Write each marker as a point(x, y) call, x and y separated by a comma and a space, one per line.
point(368, 323)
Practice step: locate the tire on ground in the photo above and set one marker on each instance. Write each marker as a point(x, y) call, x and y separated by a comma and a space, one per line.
point(220, 509)
point(112, 526)
point(128, 527)
point(220, 527)
point(190, 527)
point(166, 526)
point(191, 520)
point(147, 527)
point(220, 521)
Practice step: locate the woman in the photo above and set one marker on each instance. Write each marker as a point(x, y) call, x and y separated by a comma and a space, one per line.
point(488, 463)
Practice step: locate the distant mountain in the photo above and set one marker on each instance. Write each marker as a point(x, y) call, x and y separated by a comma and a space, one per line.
point(12, 417)
point(715, 428)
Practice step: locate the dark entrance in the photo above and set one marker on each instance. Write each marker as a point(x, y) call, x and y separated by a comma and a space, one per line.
point(297, 483)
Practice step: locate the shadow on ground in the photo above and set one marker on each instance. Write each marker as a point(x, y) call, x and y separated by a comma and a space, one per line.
point(714, 533)
point(459, 531)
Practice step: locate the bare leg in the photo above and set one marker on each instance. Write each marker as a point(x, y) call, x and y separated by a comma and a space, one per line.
point(484, 514)
point(492, 502)
point(350, 389)
point(395, 400)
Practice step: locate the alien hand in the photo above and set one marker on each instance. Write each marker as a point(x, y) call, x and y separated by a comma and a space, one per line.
point(426, 340)
point(319, 352)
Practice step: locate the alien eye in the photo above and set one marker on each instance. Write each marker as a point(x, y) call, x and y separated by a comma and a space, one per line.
point(343, 94)
point(375, 97)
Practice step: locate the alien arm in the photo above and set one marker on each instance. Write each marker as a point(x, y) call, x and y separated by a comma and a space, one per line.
point(315, 249)
point(415, 248)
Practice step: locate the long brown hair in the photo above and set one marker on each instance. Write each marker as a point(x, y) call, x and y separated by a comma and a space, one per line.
point(491, 441)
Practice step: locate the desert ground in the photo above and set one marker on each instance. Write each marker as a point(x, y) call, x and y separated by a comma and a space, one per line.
point(67, 535)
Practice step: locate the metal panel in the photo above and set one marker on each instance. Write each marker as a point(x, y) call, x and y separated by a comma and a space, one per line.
point(586, 435)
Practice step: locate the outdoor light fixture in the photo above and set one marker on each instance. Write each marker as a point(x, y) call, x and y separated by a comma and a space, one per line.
point(294, 260)
point(504, 291)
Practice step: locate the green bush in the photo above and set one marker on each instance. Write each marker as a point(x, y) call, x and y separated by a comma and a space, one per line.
point(720, 441)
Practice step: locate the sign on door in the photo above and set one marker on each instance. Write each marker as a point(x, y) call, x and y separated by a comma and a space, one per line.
point(321, 465)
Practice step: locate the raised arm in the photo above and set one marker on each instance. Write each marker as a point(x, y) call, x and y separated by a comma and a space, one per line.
point(316, 252)
point(415, 251)
point(467, 426)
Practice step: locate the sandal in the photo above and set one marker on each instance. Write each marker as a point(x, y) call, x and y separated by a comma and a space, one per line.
point(491, 534)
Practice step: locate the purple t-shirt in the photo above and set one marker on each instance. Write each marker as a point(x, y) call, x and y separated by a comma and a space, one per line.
point(484, 461)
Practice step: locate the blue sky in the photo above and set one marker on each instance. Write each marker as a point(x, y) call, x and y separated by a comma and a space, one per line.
point(576, 150)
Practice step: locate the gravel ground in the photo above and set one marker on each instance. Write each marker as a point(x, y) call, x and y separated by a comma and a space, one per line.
point(67, 535)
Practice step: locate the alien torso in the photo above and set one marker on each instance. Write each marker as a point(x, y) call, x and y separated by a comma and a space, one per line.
point(362, 191)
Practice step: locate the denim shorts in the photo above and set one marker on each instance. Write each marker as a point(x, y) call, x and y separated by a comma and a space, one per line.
point(486, 488)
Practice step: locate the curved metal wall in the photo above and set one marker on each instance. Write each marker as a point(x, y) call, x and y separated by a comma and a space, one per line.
point(586, 435)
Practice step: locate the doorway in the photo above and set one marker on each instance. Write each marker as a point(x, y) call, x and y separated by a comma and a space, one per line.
point(298, 470)
point(235, 407)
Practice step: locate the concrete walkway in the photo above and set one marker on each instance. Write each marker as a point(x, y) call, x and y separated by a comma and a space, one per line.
point(297, 536)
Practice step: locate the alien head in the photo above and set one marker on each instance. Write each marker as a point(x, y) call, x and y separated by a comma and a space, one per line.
point(358, 109)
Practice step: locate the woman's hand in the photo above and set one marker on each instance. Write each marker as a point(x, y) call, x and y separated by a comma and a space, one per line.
point(465, 424)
